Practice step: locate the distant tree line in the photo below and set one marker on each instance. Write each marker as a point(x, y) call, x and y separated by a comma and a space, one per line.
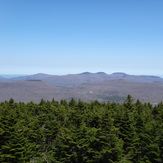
point(78, 132)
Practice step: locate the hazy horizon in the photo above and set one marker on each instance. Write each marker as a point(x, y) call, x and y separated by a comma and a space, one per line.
point(19, 75)
point(71, 37)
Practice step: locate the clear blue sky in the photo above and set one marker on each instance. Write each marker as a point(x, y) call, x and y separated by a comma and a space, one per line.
point(74, 36)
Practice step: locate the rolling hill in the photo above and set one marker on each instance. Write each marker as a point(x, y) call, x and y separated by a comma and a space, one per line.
point(85, 86)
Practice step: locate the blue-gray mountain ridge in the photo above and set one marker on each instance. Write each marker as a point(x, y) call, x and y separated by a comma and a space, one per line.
point(85, 86)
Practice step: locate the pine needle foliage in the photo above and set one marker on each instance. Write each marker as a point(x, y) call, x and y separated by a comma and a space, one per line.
point(79, 132)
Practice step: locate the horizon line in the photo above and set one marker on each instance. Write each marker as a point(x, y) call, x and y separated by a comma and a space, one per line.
point(10, 75)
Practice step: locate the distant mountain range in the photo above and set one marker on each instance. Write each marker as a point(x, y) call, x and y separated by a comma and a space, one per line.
point(85, 86)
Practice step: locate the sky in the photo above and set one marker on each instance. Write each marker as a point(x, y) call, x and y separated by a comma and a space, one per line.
point(74, 36)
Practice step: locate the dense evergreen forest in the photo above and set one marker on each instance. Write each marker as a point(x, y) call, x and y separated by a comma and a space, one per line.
point(78, 132)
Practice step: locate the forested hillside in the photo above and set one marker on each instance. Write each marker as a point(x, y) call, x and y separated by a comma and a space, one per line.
point(79, 132)
point(85, 86)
